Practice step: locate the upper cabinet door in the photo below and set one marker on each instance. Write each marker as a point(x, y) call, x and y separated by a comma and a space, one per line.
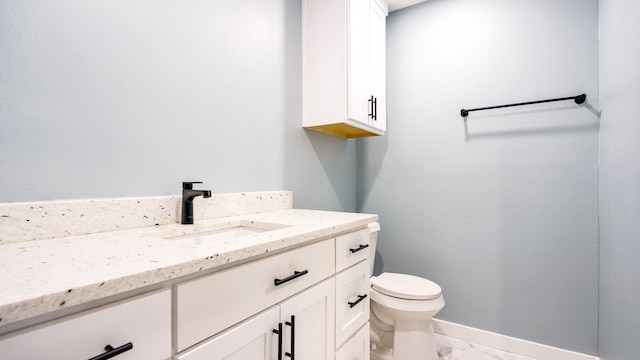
point(378, 64)
point(357, 59)
point(343, 62)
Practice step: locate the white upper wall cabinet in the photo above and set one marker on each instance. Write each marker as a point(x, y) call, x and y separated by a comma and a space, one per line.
point(344, 81)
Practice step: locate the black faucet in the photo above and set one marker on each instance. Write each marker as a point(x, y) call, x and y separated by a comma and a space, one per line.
point(187, 200)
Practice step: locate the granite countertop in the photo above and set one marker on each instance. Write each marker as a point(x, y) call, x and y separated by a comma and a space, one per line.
point(43, 276)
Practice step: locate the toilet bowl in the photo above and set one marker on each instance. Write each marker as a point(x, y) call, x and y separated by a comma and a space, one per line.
point(401, 309)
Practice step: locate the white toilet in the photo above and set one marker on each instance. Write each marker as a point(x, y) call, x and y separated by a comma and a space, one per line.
point(401, 310)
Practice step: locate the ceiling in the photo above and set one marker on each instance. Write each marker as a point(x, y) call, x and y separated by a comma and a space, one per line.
point(399, 4)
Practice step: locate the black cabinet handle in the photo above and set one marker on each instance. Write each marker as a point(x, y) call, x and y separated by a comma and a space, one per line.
point(296, 274)
point(371, 102)
point(279, 332)
point(360, 298)
point(361, 247)
point(375, 109)
point(110, 351)
point(293, 339)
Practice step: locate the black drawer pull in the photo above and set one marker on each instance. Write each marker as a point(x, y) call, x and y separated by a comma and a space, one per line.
point(361, 247)
point(296, 274)
point(112, 352)
point(360, 298)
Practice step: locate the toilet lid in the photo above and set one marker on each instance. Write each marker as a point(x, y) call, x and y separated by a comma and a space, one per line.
point(405, 286)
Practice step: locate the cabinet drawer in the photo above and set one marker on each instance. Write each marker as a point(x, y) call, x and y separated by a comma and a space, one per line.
point(208, 305)
point(145, 322)
point(351, 248)
point(352, 300)
point(356, 348)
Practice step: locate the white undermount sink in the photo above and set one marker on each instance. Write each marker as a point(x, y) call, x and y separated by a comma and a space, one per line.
point(229, 233)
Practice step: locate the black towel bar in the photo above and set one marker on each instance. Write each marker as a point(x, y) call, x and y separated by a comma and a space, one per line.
point(579, 99)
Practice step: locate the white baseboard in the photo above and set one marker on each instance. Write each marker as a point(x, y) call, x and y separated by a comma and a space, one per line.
point(506, 343)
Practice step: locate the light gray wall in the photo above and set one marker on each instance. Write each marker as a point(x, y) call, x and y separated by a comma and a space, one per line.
point(619, 179)
point(501, 211)
point(117, 98)
point(130, 98)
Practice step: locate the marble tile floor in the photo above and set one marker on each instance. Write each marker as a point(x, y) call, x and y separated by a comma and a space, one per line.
point(450, 348)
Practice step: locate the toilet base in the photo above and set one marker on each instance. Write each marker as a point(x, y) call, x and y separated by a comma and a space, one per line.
point(412, 340)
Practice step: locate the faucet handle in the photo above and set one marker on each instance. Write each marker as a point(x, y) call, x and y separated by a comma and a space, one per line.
point(188, 185)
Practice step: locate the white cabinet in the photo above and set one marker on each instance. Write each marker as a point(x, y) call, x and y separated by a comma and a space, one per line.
point(142, 324)
point(344, 51)
point(205, 306)
point(301, 326)
point(320, 314)
point(311, 302)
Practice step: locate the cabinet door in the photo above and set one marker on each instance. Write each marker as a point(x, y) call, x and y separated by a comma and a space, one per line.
point(309, 323)
point(377, 64)
point(252, 340)
point(357, 63)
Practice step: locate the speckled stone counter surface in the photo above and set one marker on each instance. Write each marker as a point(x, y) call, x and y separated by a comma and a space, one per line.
point(42, 276)
point(54, 219)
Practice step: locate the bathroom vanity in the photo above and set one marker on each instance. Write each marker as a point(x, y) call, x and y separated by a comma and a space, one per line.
point(259, 285)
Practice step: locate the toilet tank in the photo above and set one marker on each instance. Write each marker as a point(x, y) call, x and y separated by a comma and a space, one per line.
point(374, 229)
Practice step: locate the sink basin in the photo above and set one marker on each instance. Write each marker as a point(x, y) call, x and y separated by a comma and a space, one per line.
point(229, 233)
